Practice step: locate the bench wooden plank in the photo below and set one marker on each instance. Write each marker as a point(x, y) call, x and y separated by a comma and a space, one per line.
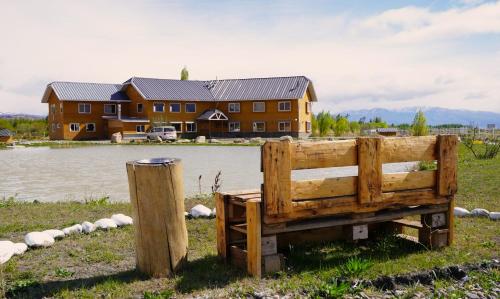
point(349, 204)
point(345, 186)
point(406, 149)
point(320, 188)
point(408, 180)
point(411, 223)
point(308, 155)
point(242, 227)
point(346, 220)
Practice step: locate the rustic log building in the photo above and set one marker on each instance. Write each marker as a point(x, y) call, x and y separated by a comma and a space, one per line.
point(264, 107)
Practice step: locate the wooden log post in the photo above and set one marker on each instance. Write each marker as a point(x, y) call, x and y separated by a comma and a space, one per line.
point(277, 168)
point(254, 238)
point(157, 196)
point(222, 226)
point(447, 175)
point(369, 170)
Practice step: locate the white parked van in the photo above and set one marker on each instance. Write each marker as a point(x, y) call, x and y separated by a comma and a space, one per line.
point(164, 132)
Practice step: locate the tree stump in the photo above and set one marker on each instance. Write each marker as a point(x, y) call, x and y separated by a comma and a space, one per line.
point(157, 196)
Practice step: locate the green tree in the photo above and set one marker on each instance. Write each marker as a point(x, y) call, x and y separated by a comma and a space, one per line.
point(184, 73)
point(341, 126)
point(325, 123)
point(419, 126)
point(355, 127)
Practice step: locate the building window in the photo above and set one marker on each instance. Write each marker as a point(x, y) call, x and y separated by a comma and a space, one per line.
point(52, 108)
point(61, 107)
point(308, 107)
point(233, 107)
point(190, 127)
point(140, 128)
point(84, 108)
point(175, 107)
point(284, 126)
point(259, 107)
point(190, 107)
point(90, 127)
point(53, 127)
point(58, 125)
point(234, 126)
point(74, 127)
point(140, 108)
point(158, 107)
point(109, 108)
point(308, 126)
point(284, 106)
point(259, 126)
point(177, 126)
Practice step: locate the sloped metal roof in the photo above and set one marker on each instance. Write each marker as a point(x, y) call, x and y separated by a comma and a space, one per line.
point(167, 89)
point(78, 91)
point(5, 133)
point(223, 90)
point(260, 88)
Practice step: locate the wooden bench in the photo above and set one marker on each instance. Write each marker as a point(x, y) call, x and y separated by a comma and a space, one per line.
point(253, 224)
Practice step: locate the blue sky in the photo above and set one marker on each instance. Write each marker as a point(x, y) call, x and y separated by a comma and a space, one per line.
point(359, 54)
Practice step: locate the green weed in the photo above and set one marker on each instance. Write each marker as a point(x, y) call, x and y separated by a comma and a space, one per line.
point(166, 294)
point(334, 289)
point(354, 267)
point(63, 273)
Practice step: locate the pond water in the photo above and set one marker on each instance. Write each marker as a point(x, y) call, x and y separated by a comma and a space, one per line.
point(78, 173)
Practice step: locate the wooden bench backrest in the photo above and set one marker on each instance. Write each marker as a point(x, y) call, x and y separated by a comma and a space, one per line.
point(285, 199)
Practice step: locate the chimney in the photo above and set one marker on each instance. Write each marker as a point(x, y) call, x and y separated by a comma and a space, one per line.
point(119, 111)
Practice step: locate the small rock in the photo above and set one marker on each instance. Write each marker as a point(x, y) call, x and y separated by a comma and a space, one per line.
point(105, 223)
point(20, 248)
point(214, 212)
point(38, 239)
point(55, 233)
point(200, 139)
point(200, 211)
point(461, 212)
point(158, 138)
point(183, 141)
point(256, 140)
point(471, 295)
point(495, 215)
point(116, 138)
point(213, 140)
point(238, 140)
point(74, 229)
point(289, 138)
point(6, 251)
point(88, 227)
point(122, 220)
point(480, 213)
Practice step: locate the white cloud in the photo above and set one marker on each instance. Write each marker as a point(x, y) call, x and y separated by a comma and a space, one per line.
point(401, 57)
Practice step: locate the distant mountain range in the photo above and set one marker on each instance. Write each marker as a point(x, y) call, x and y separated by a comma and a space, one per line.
point(20, 115)
point(434, 115)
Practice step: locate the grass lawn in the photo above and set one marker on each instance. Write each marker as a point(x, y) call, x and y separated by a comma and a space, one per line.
point(102, 264)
